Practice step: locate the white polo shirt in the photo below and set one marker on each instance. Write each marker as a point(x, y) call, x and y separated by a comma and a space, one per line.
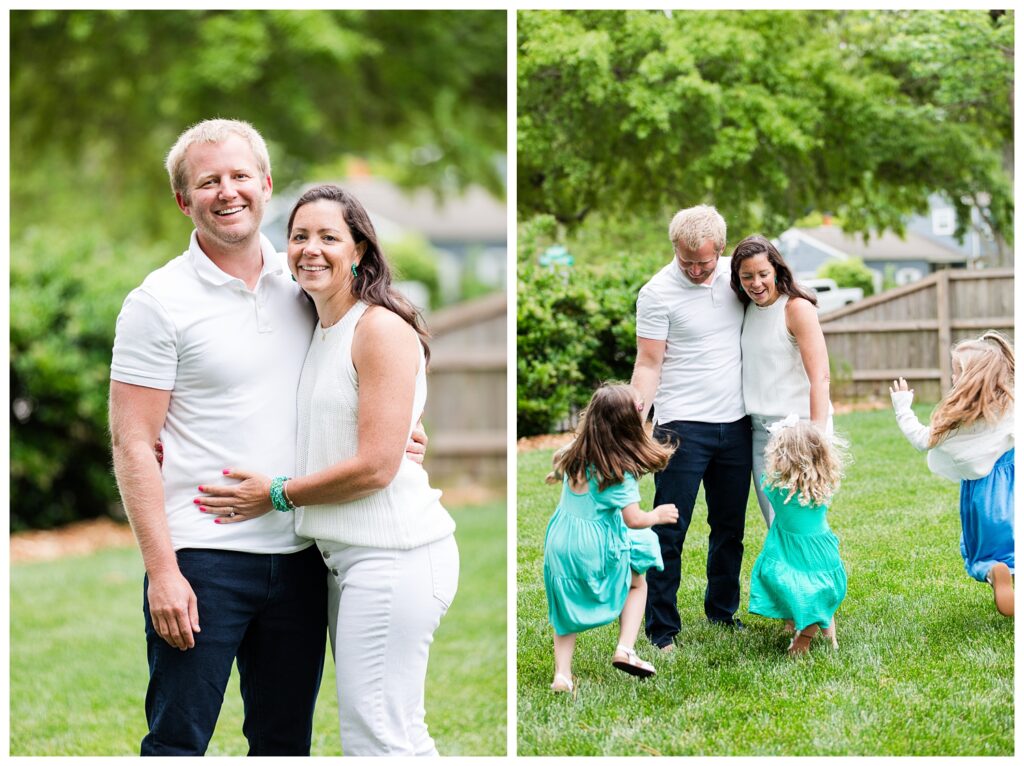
point(701, 376)
point(231, 358)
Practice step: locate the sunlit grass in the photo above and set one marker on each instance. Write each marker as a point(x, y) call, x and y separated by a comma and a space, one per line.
point(78, 657)
point(925, 664)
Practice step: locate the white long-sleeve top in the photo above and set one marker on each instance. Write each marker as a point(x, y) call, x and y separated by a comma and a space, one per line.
point(966, 453)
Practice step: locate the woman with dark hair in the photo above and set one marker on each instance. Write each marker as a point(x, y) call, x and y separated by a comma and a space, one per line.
point(392, 562)
point(785, 361)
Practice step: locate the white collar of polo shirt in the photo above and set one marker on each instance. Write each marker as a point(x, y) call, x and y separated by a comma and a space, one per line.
point(273, 263)
point(721, 270)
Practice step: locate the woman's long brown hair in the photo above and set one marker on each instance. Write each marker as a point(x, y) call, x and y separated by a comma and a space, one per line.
point(785, 282)
point(611, 441)
point(372, 285)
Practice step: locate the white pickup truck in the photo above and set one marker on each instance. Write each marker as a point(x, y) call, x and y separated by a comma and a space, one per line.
point(830, 295)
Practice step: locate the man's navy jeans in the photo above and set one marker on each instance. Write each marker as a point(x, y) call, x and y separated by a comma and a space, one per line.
point(269, 611)
point(720, 455)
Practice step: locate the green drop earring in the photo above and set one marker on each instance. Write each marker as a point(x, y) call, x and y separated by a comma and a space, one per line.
point(355, 271)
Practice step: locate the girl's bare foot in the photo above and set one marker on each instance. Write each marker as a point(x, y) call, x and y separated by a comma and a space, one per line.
point(1001, 580)
point(788, 626)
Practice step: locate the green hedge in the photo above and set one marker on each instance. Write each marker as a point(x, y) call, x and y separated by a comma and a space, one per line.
point(576, 326)
point(66, 292)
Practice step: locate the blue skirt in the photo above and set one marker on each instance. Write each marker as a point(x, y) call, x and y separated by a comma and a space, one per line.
point(986, 518)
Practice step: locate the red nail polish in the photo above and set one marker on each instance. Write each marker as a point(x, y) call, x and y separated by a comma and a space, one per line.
point(196, 502)
point(202, 508)
point(201, 488)
point(225, 471)
point(216, 521)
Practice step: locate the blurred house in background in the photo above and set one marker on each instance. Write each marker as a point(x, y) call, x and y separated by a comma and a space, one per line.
point(467, 231)
point(928, 246)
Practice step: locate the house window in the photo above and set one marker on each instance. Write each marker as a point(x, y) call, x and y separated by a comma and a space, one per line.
point(943, 221)
point(908, 274)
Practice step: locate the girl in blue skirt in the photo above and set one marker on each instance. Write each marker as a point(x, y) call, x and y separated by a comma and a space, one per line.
point(970, 440)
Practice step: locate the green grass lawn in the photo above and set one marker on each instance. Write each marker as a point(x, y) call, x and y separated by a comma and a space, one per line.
point(924, 667)
point(78, 657)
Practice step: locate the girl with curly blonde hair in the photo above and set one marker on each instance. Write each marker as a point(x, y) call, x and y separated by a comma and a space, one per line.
point(798, 576)
point(970, 440)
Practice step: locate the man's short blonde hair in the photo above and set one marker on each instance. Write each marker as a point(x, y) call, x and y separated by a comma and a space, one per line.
point(692, 227)
point(213, 132)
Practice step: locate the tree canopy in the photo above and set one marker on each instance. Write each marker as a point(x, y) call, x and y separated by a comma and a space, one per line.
point(101, 95)
point(769, 115)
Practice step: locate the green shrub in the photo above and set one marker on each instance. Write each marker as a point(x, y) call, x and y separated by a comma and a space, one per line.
point(66, 292)
point(576, 327)
point(849, 273)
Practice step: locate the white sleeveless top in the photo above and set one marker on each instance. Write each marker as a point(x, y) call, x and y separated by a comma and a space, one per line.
point(775, 382)
point(405, 514)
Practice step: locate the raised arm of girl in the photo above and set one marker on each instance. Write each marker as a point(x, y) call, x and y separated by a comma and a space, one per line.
point(902, 398)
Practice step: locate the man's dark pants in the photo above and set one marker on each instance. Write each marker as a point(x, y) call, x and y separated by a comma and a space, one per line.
point(269, 611)
point(720, 455)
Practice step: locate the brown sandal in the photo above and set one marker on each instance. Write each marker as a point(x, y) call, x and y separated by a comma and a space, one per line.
point(830, 633)
point(801, 642)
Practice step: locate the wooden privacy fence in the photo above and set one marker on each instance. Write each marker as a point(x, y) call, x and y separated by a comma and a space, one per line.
point(466, 417)
point(907, 332)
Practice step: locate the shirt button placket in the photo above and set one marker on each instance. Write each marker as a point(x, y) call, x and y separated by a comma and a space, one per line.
point(262, 320)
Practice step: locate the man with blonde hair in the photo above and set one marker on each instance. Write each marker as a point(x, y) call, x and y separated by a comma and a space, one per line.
point(688, 325)
point(207, 357)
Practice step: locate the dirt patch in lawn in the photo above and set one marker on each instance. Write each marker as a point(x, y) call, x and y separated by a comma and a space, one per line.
point(544, 441)
point(78, 539)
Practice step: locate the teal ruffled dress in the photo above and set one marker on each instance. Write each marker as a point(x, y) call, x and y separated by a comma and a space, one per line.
point(798, 575)
point(589, 553)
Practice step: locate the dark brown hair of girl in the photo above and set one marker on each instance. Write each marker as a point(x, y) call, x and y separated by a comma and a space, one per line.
point(786, 284)
point(611, 440)
point(372, 285)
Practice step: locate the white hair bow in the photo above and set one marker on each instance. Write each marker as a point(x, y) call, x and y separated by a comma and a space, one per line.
point(787, 422)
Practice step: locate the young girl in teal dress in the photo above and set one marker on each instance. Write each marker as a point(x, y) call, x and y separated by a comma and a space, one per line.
point(798, 576)
point(970, 440)
point(599, 543)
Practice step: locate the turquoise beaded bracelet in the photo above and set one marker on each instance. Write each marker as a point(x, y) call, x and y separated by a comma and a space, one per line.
point(277, 495)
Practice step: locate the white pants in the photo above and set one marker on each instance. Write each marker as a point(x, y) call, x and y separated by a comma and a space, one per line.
point(383, 607)
point(759, 441)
